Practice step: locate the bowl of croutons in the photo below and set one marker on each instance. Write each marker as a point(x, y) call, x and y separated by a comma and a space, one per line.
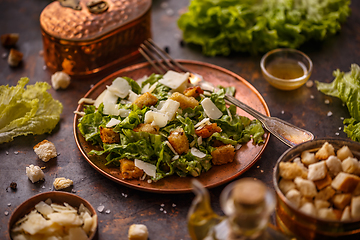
point(53, 215)
point(318, 189)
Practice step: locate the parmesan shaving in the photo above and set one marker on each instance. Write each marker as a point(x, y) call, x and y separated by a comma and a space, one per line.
point(197, 153)
point(203, 122)
point(171, 147)
point(86, 100)
point(79, 113)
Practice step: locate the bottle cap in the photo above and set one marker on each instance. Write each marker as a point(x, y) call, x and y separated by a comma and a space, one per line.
point(249, 192)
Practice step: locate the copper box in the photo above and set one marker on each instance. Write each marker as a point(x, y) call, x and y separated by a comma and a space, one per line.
point(83, 37)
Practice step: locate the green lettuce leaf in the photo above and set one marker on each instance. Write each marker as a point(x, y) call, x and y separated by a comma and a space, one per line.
point(224, 26)
point(27, 111)
point(346, 86)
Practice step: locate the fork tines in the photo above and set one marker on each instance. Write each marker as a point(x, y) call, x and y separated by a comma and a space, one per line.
point(157, 57)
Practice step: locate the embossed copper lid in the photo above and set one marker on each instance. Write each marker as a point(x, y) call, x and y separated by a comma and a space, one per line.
point(89, 19)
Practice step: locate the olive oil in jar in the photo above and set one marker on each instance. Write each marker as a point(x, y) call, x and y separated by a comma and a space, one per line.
point(284, 68)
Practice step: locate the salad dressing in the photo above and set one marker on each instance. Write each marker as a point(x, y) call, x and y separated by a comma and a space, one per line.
point(287, 69)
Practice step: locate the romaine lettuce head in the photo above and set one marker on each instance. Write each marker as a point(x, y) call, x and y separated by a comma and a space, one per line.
point(27, 111)
point(346, 86)
point(224, 26)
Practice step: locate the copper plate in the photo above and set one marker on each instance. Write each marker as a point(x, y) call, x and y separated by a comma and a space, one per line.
point(245, 157)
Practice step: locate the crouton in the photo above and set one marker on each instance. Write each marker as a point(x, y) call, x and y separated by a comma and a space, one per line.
point(345, 182)
point(350, 165)
point(355, 207)
point(147, 127)
point(286, 185)
point(15, 57)
point(223, 154)
point(179, 141)
point(308, 208)
point(344, 152)
point(325, 194)
point(327, 214)
point(308, 158)
point(9, 39)
point(294, 197)
point(317, 171)
point(208, 130)
point(334, 165)
point(146, 99)
point(138, 232)
point(62, 183)
point(322, 183)
point(290, 170)
point(34, 173)
point(321, 203)
point(305, 170)
point(108, 135)
point(325, 151)
point(45, 150)
point(341, 200)
point(193, 91)
point(306, 187)
point(346, 214)
point(185, 102)
point(129, 170)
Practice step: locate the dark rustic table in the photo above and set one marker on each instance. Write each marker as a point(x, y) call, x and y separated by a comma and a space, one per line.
point(165, 215)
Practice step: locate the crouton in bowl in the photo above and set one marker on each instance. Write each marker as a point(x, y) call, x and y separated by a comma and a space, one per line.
point(318, 189)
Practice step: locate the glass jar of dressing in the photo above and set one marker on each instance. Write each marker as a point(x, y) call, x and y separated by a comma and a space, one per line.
point(247, 204)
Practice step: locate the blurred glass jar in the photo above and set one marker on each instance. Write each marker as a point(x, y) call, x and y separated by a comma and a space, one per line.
point(247, 204)
point(84, 37)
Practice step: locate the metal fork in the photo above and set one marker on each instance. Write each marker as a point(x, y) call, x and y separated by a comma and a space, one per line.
point(284, 131)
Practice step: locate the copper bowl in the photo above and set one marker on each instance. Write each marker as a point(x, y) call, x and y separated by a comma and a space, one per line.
point(56, 197)
point(301, 225)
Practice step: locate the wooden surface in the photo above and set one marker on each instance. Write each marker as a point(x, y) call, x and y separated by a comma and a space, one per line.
point(165, 215)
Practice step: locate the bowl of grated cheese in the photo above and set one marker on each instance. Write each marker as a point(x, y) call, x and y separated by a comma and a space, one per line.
point(50, 214)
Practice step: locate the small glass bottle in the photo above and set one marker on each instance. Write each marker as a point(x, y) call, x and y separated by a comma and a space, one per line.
point(247, 204)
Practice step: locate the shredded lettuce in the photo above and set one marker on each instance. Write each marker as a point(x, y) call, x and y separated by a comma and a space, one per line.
point(346, 86)
point(152, 148)
point(224, 26)
point(30, 110)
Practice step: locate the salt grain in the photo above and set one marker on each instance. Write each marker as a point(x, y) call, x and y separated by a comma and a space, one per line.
point(309, 83)
point(312, 96)
point(73, 190)
point(262, 171)
point(173, 205)
point(100, 208)
point(165, 211)
point(161, 209)
point(329, 114)
point(9, 204)
point(16, 152)
point(164, 5)
point(4, 55)
point(108, 211)
point(162, 205)
point(339, 128)
point(337, 134)
point(43, 186)
point(169, 12)
point(341, 118)
point(7, 153)
point(44, 67)
point(149, 181)
point(327, 101)
point(6, 213)
point(282, 112)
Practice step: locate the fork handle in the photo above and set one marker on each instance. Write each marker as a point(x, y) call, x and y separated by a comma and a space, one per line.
point(284, 131)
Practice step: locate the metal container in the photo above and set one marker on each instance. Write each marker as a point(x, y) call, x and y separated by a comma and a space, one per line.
point(82, 37)
point(301, 225)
